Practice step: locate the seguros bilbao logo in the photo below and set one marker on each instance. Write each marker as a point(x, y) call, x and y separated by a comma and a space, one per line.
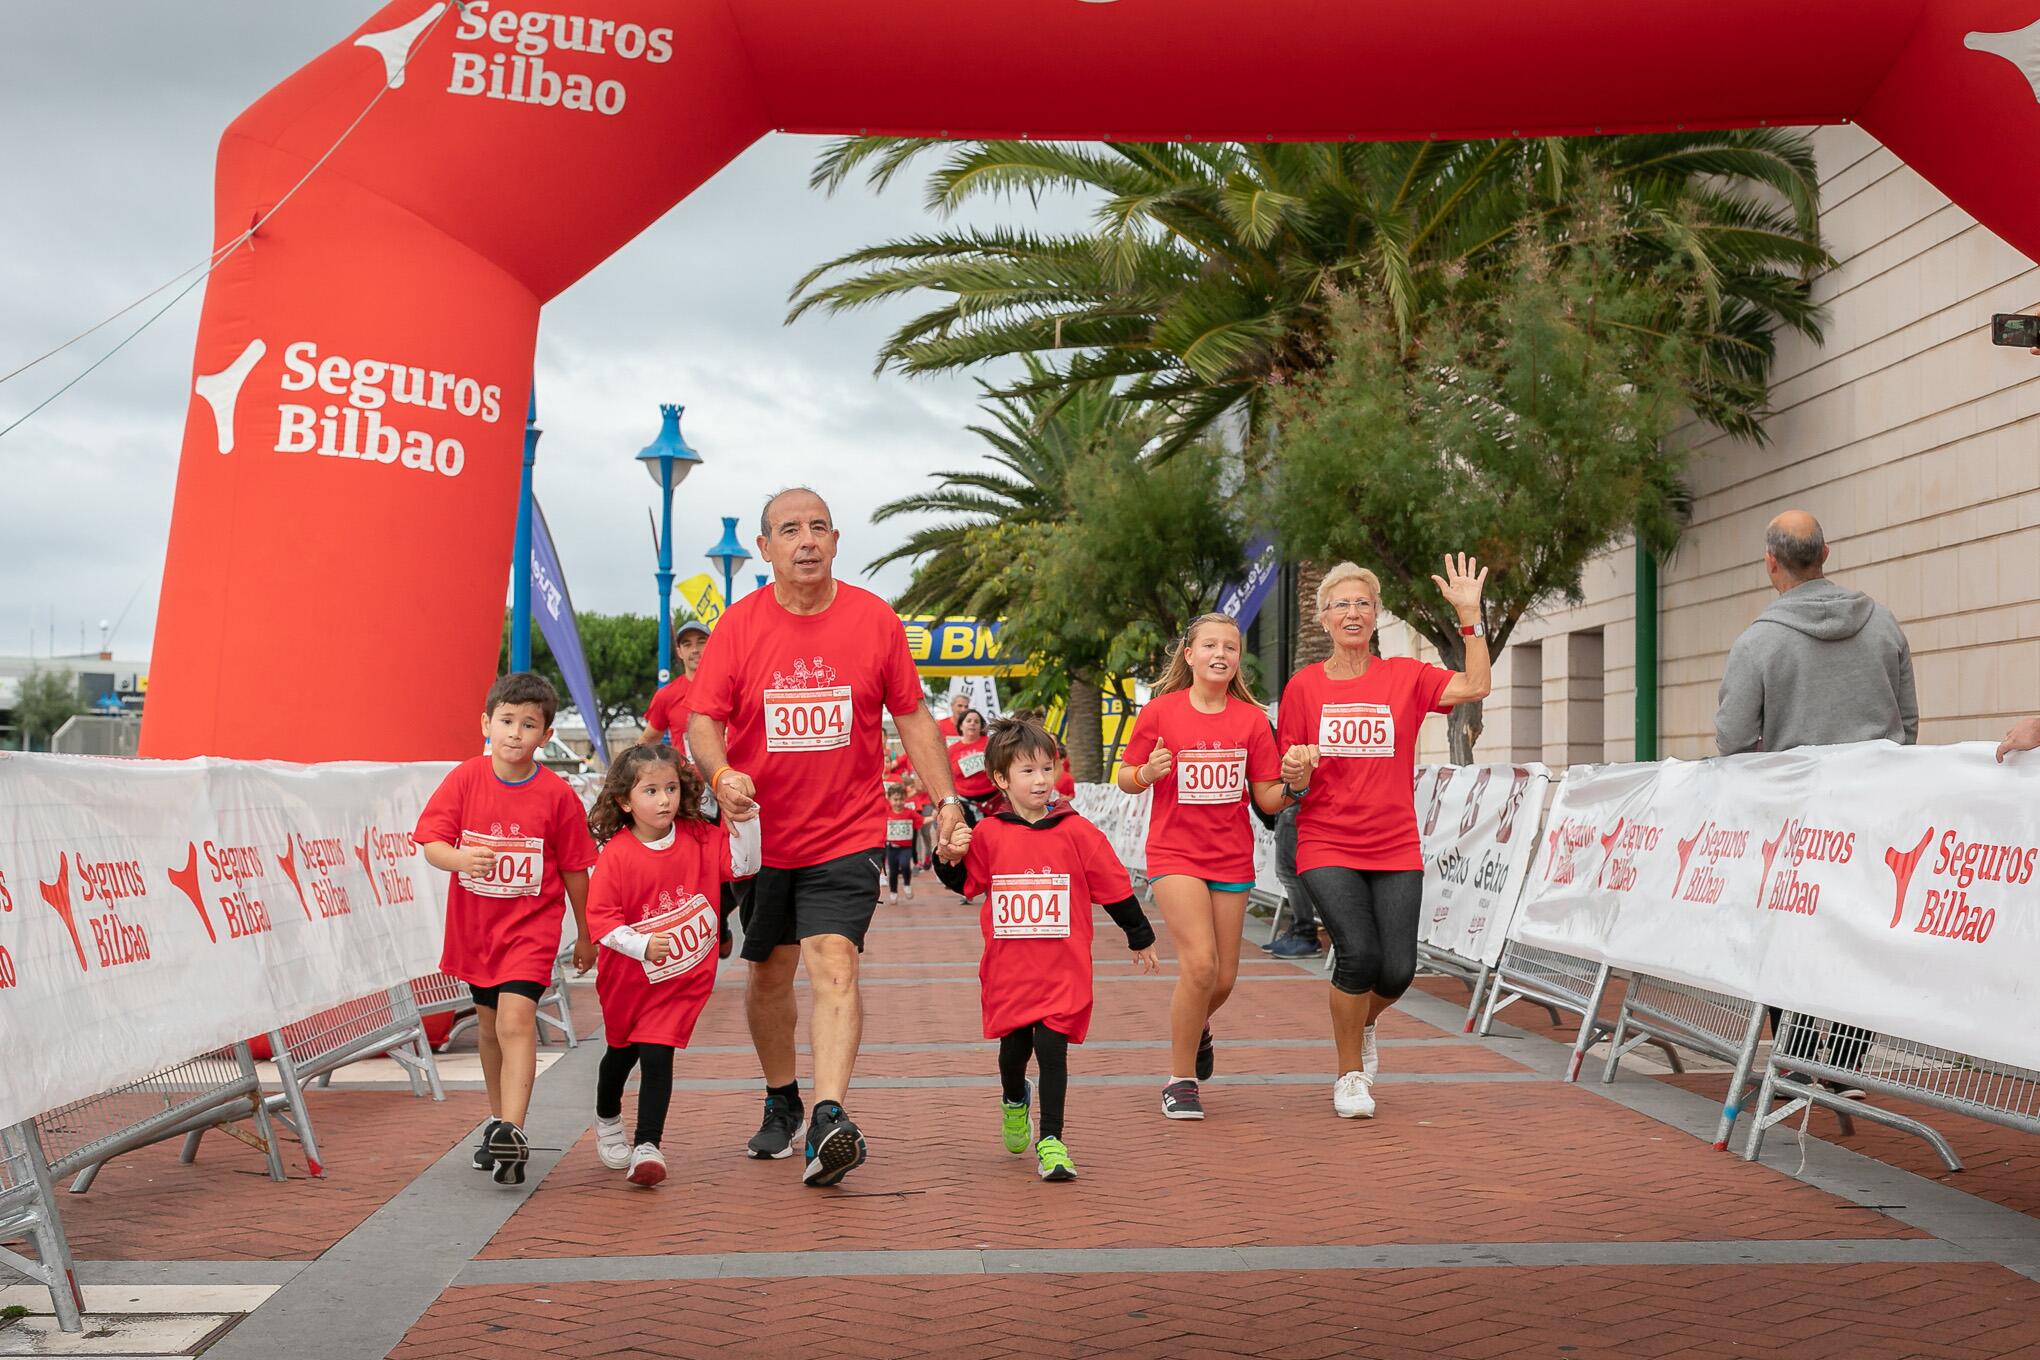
point(1947, 910)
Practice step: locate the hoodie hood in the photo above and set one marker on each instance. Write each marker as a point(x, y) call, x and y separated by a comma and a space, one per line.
point(1821, 609)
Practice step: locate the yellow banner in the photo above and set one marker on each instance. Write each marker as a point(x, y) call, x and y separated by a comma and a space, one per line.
point(703, 598)
point(946, 647)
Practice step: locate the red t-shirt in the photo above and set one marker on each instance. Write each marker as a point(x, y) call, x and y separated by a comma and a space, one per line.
point(509, 931)
point(900, 826)
point(668, 712)
point(1066, 783)
point(1361, 812)
point(967, 769)
point(1039, 883)
point(947, 727)
point(676, 891)
point(803, 695)
point(1200, 824)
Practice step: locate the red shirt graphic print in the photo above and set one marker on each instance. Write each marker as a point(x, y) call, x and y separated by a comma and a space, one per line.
point(804, 696)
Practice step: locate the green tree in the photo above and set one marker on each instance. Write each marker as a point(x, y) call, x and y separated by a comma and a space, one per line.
point(47, 700)
point(1524, 424)
point(623, 661)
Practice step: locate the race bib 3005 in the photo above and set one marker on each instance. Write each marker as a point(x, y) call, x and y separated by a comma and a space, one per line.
point(520, 865)
point(1030, 906)
point(808, 719)
point(1364, 730)
point(1211, 776)
point(692, 926)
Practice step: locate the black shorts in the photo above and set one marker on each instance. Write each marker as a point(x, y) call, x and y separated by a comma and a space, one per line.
point(835, 897)
point(486, 996)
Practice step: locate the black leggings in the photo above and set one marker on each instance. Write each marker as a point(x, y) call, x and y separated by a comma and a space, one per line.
point(655, 1087)
point(899, 866)
point(1372, 914)
point(1052, 1051)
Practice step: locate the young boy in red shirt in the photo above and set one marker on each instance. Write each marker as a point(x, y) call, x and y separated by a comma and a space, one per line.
point(902, 828)
point(515, 838)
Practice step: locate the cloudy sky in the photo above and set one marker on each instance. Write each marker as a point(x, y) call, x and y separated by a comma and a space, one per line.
point(112, 111)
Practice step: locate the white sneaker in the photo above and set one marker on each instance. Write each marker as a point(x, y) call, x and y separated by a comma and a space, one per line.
point(1370, 1059)
point(909, 891)
point(647, 1165)
point(612, 1145)
point(1353, 1096)
point(893, 900)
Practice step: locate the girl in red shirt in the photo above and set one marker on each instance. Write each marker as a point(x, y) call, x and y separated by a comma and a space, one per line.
point(1202, 743)
point(967, 761)
point(1040, 868)
point(1349, 739)
point(652, 905)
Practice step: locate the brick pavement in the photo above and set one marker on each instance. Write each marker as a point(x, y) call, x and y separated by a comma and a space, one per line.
point(1489, 1210)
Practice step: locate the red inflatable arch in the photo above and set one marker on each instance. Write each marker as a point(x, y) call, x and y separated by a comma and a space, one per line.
point(343, 513)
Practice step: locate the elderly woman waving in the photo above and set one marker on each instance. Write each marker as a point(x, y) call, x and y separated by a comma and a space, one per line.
point(1348, 731)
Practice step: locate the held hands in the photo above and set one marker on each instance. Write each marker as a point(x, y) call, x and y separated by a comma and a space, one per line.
point(956, 847)
point(1297, 764)
point(1147, 960)
point(948, 822)
point(584, 955)
point(1461, 585)
point(736, 795)
point(1158, 765)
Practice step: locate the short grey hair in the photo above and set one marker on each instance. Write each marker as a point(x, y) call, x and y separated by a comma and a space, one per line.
point(765, 515)
point(1797, 553)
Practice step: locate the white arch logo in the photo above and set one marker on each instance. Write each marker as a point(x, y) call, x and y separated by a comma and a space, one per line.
point(222, 389)
point(394, 45)
point(2020, 47)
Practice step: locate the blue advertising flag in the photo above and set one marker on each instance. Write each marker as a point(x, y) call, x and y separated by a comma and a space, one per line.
point(1243, 598)
point(554, 610)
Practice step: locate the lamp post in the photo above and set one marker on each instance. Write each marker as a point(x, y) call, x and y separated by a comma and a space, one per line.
point(726, 556)
point(668, 459)
point(520, 551)
point(760, 578)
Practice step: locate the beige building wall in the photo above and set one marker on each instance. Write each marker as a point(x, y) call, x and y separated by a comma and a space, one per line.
point(1908, 434)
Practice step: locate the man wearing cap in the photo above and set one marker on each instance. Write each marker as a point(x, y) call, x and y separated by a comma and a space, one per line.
point(668, 712)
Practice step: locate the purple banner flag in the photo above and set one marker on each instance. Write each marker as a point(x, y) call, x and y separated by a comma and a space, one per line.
point(554, 610)
point(1243, 598)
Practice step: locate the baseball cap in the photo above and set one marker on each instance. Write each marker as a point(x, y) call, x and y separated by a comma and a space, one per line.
point(692, 625)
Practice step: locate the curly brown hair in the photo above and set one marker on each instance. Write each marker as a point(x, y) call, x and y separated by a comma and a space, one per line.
point(609, 815)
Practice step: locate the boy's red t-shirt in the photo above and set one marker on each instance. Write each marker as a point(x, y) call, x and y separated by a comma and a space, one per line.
point(804, 696)
point(1039, 883)
point(675, 891)
point(668, 711)
point(901, 825)
point(509, 931)
point(1200, 823)
point(1361, 812)
point(967, 769)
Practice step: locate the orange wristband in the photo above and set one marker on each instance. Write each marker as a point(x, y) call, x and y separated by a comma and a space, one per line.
point(716, 778)
point(1144, 784)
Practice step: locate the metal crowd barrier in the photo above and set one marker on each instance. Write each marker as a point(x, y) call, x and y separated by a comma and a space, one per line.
point(1808, 1051)
point(211, 1090)
point(1558, 983)
point(1659, 1011)
point(28, 1204)
point(384, 1023)
point(442, 994)
point(1475, 975)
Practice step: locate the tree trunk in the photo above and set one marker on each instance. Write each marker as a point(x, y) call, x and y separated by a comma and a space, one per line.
point(1462, 729)
point(1085, 732)
point(1313, 644)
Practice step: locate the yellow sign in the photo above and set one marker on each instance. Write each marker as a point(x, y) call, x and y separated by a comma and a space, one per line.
point(704, 599)
point(946, 647)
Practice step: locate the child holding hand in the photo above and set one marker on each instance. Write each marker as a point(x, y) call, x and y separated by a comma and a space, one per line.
point(1040, 869)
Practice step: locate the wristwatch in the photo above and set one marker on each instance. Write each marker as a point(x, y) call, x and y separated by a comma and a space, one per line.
point(951, 801)
point(1478, 628)
point(1297, 794)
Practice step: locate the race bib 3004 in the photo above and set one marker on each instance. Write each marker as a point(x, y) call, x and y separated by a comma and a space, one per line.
point(1211, 776)
point(1364, 730)
point(520, 865)
point(807, 719)
point(692, 926)
point(1030, 906)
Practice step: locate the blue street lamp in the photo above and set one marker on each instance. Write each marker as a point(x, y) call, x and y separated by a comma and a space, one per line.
point(760, 578)
point(726, 557)
point(520, 551)
point(668, 459)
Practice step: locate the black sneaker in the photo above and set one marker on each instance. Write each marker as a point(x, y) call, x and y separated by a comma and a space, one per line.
point(484, 1160)
point(1844, 1090)
point(1297, 945)
point(1205, 1059)
point(508, 1146)
point(774, 1137)
point(834, 1146)
point(1180, 1101)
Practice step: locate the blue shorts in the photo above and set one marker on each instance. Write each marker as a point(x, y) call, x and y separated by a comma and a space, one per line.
point(1217, 886)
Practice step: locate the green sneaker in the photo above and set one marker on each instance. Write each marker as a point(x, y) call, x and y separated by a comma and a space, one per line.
point(1055, 1160)
point(1018, 1132)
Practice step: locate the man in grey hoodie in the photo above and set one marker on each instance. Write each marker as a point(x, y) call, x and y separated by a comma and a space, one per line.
point(1821, 665)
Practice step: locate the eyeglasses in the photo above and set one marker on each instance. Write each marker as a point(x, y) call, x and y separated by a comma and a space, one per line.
point(1347, 606)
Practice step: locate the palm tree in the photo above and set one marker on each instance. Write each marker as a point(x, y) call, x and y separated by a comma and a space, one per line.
point(1211, 265)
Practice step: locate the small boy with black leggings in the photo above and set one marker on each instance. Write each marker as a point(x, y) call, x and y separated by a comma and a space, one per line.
point(1040, 870)
point(902, 826)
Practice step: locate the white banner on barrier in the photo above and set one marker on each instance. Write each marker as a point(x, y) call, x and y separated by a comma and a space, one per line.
point(151, 911)
point(1478, 824)
point(1896, 888)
